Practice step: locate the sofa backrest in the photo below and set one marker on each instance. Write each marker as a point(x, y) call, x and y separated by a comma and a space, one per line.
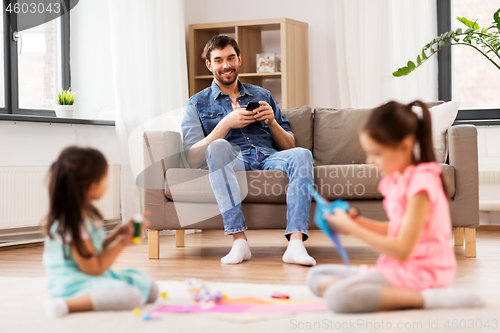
point(301, 123)
point(336, 136)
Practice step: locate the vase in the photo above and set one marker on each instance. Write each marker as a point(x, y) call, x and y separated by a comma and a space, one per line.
point(64, 111)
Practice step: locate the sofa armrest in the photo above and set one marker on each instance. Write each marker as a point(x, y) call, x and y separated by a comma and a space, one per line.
point(462, 143)
point(161, 151)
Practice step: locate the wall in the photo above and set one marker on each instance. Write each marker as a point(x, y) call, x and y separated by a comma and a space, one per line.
point(323, 86)
point(487, 141)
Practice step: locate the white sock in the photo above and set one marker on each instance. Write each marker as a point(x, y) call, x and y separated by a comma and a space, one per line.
point(56, 308)
point(296, 253)
point(450, 298)
point(239, 252)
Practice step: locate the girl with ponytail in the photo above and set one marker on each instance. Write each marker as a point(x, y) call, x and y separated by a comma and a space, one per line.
point(78, 254)
point(417, 263)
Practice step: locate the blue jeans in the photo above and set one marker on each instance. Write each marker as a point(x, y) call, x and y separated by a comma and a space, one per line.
point(224, 160)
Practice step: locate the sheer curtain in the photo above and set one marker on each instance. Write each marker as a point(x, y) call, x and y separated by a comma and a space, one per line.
point(375, 38)
point(150, 78)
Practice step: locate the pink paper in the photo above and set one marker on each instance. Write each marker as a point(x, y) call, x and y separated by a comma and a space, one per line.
point(289, 308)
point(226, 308)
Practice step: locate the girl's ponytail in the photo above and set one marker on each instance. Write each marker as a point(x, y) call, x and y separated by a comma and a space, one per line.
point(424, 133)
point(390, 123)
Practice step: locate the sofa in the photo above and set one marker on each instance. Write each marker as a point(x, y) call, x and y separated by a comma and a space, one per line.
point(181, 198)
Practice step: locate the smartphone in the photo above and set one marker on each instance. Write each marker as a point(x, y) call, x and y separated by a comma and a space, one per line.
point(252, 106)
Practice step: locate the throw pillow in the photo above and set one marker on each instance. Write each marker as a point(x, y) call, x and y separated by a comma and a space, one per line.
point(442, 116)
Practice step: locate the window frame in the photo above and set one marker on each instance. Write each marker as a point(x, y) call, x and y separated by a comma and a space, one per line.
point(477, 117)
point(11, 75)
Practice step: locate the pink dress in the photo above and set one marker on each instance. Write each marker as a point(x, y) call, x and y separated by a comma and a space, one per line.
point(432, 263)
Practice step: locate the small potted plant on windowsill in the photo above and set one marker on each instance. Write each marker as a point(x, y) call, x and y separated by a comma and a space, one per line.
point(65, 104)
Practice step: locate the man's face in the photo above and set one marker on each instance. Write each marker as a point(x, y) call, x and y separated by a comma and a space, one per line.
point(225, 65)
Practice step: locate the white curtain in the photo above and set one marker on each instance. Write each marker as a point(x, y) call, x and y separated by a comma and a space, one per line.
point(150, 78)
point(375, 38)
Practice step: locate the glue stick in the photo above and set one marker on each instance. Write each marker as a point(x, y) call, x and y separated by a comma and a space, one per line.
point(138, 218)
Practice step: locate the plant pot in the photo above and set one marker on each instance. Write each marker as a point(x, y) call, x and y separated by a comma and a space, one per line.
point(64, 111)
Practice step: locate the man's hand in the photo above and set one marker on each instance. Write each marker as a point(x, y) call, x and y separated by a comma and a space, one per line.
point(265, 112)
point(239, 118)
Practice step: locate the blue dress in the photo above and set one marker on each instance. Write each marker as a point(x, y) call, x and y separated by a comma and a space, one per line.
point(67, 281)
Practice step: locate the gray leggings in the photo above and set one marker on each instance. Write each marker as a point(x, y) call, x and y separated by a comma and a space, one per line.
point(125, 298)
point(356, 292)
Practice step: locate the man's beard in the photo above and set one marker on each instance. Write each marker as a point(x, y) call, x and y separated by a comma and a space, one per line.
point(227, 81)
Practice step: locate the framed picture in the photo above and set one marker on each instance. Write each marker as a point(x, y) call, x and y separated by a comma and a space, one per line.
point(267, 63)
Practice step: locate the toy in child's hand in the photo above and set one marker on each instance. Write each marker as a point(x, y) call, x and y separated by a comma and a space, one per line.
point(138, 219)
point(324, 207)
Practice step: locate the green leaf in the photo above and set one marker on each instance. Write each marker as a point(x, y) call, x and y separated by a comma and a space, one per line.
point(442, 43)
point(397, 74)
point(496, 18)
point(458, 31)
point(467, 22)
point(411, 65)
point(405, 70)
point(419, 60)
point(424, 56)
point(469, 31)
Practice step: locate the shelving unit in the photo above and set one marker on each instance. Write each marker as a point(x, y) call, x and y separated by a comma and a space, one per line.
point(291, 85)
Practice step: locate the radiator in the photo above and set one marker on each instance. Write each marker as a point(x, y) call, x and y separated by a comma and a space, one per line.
point(489, 184)
point(24, 196)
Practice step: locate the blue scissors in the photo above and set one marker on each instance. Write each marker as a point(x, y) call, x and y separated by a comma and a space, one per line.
point(324, 207)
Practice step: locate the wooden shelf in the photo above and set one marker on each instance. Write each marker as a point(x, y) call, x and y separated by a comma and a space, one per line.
point(293, 86)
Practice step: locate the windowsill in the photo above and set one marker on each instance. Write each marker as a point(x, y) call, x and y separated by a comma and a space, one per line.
point(55, 120)
point(478, 122)
point(478, 117)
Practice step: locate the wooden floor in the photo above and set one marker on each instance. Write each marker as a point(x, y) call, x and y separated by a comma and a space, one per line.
point(201, 258)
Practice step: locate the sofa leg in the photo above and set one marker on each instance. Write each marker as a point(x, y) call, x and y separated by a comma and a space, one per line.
point(154, 244)
point(459, 236)
point(470, 242)
point(179, 238)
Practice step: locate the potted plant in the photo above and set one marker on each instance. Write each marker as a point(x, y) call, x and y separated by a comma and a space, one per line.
point(486, 41)
point(65, 101)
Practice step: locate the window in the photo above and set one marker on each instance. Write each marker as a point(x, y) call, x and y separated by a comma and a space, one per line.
point(35, 61)
point(465, 73)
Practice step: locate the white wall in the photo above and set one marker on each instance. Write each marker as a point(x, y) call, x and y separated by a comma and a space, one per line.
point(25, 143)
point(323, 86)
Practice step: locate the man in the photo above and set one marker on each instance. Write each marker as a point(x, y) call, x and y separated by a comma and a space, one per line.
point(218, 131)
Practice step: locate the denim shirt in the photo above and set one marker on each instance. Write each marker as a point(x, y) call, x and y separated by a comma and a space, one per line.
point(207, 108)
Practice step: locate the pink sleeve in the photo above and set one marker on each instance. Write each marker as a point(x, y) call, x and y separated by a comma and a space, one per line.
point(424, 180)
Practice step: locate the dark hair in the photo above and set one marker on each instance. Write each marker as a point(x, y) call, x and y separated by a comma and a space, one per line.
point(70, 178)
point(391, 123)
point(219, 42)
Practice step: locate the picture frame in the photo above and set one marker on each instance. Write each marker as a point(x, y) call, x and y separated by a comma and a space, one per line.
point(267, 63)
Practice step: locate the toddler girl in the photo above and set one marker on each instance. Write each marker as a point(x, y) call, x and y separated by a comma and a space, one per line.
point(78, 254)
point(417, 262)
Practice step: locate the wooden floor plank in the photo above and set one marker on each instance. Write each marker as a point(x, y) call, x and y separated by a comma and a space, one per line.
point(202, 252)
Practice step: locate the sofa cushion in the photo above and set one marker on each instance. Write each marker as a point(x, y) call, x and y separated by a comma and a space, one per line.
point(193, 185)
point(336, 136)
point(359, 181)
point(348, 182)
point(301, 123)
